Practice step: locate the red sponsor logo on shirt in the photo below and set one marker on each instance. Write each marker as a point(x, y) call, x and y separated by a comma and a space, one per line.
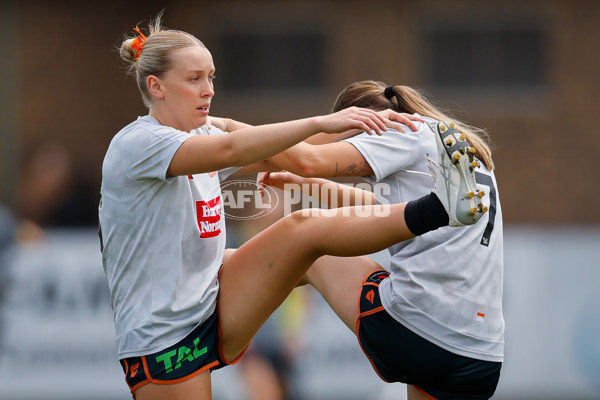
point(209, 217)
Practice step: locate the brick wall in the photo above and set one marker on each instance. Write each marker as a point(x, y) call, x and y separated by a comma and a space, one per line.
point(72, 87)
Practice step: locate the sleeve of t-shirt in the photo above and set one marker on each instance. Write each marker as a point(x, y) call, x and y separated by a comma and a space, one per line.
point(388, 153)
point(147, 153)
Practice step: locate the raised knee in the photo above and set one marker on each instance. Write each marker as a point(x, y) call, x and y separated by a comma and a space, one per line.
point(307, 216)
point(303, 223)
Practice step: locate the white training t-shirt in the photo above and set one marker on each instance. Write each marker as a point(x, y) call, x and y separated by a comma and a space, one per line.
point(445, 285)
point(163, 238)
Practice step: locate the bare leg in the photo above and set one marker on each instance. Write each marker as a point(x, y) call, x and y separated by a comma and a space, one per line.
point(257, 277)
point(260, 274)
point(338, 280)
point(415, 394)
point(197, 388)
point(261, 379)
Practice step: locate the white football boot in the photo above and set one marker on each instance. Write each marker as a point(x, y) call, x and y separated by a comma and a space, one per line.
point(454, 176)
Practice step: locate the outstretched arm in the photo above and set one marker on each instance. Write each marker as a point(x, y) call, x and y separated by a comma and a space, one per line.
point(245, 146)
point(339, 159)
point(322, 155)
point(333, 159)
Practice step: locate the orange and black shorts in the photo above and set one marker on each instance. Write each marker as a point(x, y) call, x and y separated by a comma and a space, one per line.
point(194, 354)
point(399, 355)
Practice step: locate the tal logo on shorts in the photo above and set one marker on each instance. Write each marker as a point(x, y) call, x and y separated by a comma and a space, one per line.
point(173, 359)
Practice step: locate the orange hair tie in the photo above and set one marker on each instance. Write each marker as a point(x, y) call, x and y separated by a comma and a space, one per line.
point(138, 43)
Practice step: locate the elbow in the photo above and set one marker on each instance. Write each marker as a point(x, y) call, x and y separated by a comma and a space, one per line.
point(307, 168)
point(310, 165)
point(231, 156)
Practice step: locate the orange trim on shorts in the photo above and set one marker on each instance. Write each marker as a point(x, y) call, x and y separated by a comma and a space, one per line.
point(139, 385)
point(365, 283)
point(142, 383)
point(366, 354)
point(171, 381)
point(373, 311)
point(126, 367)
point(424, 393)
point(184, 378)
point(369, 284)
point(371, 273)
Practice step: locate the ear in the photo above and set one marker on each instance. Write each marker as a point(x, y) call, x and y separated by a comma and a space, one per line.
point(155, 87)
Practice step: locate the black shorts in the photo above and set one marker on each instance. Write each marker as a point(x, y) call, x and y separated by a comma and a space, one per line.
point(199, 351)
point(399, 355)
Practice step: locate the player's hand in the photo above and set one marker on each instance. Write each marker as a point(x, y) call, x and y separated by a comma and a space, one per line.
point(275, 179)
point(396, 119)
point(218, 122)
point(353, 118)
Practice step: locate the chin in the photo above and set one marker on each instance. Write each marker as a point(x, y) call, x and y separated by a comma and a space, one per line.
point(198, 123)
point(202, 120)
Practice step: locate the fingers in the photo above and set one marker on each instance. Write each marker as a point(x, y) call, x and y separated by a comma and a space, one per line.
point(369, 120)
point(413, 117)
point(397, 118)
point(406, 119)
point(396, 125)
point(261, 182)
point(354, 118)
point(272, 179)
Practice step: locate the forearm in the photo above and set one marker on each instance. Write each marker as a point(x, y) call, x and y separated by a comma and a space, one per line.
point(232, 125)
point(339, 159)
point(332, 193)
point(299, 159)
point(252, 144)
point(261, 166)
point(325, 138)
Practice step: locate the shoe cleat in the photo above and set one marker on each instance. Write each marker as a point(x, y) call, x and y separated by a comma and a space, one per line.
point(454, 176)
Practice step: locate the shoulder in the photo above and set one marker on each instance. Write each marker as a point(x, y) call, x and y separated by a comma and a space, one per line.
point(148, 130)
point(206, 131)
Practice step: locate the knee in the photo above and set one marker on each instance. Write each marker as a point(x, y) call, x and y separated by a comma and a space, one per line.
point(303, 225)
point(305, 218)
point(228, 253)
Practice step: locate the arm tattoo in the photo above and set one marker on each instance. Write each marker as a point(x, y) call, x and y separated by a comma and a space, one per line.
point(354, 169)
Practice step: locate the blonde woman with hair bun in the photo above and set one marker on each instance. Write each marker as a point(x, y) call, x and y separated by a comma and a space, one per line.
point(183, 305)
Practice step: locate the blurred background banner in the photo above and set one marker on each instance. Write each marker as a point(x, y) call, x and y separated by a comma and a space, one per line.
point(57, 335)
point(527, 71)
